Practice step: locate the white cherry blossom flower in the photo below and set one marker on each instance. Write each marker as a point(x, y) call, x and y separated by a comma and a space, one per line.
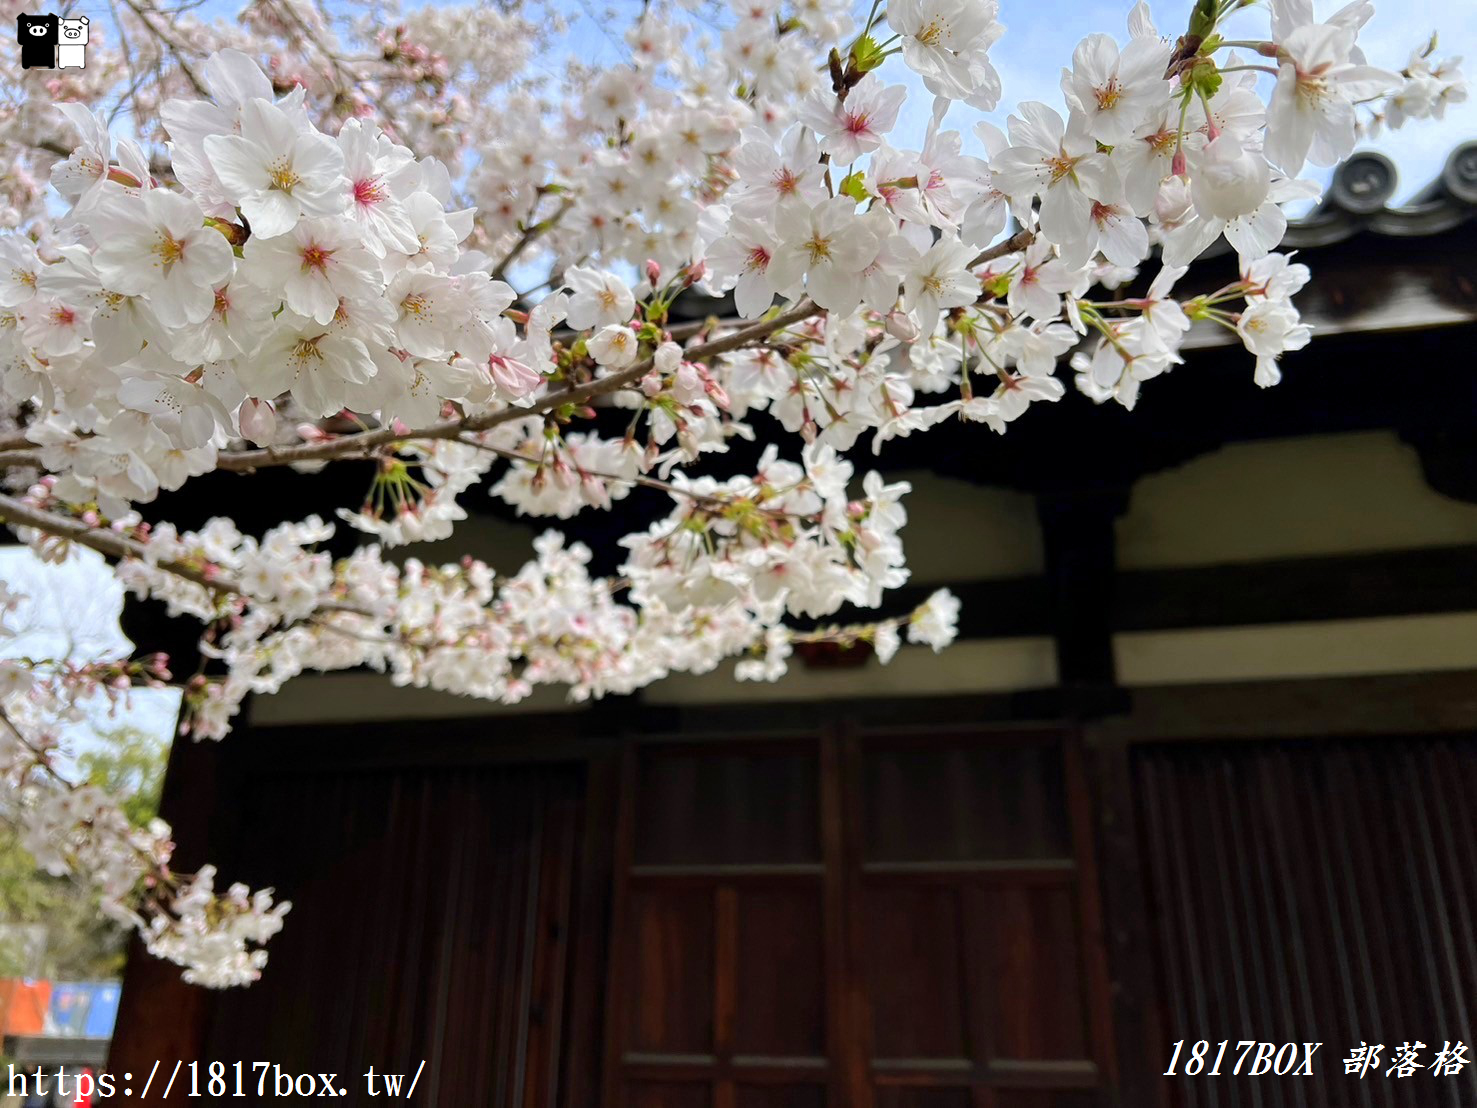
point(318, 366)
point(1269, 328)
point(828, 246)
point(856, 126)
point(316, 263)
point(614, 346)
point(596, 299)
point(20, 270)
point(1311, 116)
point(157, 244)
point(1039, 283)
point(379, 175)
point(769, 174)
point(1253, 234)
point(1057, 162)
point(277, 171)
point(937, 622)
point(740, 260)
point(940, 279)
point(1229, 180)
point(946, 43)
point(1115, 91)
point(82, 176)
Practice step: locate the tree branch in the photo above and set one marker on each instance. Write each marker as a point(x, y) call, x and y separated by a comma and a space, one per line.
point(17, 513)
point(530, 235)
point(365, 442)
point(1013, 245)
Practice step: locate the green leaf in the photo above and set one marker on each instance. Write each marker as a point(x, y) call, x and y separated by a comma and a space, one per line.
point(999, 285)
point(853, 187)
point(866, 55)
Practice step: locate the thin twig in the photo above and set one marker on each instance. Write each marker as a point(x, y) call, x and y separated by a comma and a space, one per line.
point(1013, 245)
point(18, 513)
point(365, 442)
point(530, 235)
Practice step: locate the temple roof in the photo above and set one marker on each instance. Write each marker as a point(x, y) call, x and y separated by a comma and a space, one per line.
point(1358, 199)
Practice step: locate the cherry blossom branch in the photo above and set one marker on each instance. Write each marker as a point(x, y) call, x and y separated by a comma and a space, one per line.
point(530, 235)
point(703, 499)
point(174, 48)
point(362, 445)
point(1013, 245)
point(17, 513)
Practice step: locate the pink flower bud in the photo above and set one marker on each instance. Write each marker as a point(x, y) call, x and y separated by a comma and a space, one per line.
point(653, 271)
point(258, 421)
point(716, 392)
point(900, 326)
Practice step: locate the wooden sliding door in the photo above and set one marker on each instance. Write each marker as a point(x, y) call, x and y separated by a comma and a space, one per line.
point(857, 918)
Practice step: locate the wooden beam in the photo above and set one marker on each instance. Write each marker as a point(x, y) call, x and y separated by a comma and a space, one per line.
point(1285, 590)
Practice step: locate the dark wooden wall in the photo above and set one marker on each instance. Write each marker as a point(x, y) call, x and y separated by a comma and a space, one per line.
point(1316, 891)
point(432, 916)
point(871, 905)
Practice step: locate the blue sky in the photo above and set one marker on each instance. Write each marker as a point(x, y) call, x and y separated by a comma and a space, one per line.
point(1041, 34)
point(71, 611)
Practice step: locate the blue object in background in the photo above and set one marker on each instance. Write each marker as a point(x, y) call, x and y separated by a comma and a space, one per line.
point(69, 1007)
point(83, 1009)
point(103, 1012)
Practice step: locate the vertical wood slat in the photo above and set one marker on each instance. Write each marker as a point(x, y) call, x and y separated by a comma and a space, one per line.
point(858, 1047)
point(618, 980)
point(840, 1019)
point(549, 974)
point(725, 985)
point(582, 1074)
point(1316, 892)
point(1096, 984)
point(1133, 984)
point(973, 920)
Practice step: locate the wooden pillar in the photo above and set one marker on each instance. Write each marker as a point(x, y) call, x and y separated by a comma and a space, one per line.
point(1079, 540)
point(1128, 933)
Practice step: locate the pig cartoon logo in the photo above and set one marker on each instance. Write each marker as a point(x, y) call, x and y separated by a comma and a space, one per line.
point(39, 36)
point(71, 50)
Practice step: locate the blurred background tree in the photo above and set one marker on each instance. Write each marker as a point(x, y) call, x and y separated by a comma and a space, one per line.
point(49, 926)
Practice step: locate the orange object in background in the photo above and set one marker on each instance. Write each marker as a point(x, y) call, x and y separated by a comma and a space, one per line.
point(23, 1005)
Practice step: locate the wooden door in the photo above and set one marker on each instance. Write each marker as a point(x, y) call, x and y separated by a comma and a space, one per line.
point(858, 918)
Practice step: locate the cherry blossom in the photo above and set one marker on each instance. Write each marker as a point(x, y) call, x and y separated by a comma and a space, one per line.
point(277, 172)
point(416, 246)
point(1311, 115)
point(826, 245)
point(156, 245)
point(853, 127)
point(1057, 161)
point(947, 42)
point(1113, 91)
